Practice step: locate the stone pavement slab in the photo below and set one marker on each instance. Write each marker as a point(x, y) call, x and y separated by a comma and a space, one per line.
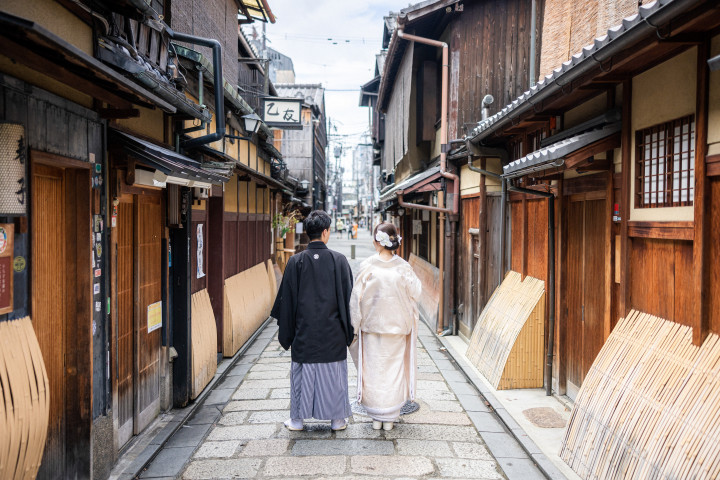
point(380, 465)
point(343, 447)
point(168, 463)
point(285, 466)
point(218, 469)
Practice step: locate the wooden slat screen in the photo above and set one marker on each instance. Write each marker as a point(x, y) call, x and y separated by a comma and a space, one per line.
point(665, 164)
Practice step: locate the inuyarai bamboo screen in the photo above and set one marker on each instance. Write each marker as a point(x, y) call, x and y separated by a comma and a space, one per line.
point(665, 164)
point(649, 406)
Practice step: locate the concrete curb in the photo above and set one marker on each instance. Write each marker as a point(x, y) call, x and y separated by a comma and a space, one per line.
point(528, 445)
point(159, 438)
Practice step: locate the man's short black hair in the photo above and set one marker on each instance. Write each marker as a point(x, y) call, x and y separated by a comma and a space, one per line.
point(315, 223)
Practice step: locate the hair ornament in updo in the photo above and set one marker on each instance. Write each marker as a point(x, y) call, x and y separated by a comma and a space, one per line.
point(383, 239)
point(399, 239)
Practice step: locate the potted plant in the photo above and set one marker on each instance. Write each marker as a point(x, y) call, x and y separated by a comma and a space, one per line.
point(285, 223)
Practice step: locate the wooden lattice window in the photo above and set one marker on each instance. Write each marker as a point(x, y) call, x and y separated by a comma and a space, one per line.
point(665, 164)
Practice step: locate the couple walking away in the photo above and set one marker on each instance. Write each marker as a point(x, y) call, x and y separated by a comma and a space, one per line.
point(320, 315)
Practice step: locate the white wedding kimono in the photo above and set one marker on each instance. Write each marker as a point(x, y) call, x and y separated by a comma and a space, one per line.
point(384, 313)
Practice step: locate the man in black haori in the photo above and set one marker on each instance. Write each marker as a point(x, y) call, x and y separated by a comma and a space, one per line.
point(313, 312)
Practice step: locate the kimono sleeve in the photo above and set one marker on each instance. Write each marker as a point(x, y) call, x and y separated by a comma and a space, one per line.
point(344, 287)
point(286, 304)
point(357, 295)
point(413, 285)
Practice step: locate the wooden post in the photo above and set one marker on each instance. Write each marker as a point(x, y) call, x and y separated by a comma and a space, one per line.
point(560, 282)
point(216, 262)
point(625, 198)
point(701, 242)
point(609, 256)
point(181, 334)
point(524, 242)
point(482, 239)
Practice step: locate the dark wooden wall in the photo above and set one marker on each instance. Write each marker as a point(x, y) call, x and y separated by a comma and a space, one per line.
point(661, 278)
point(58, 126)
point(493, 43)
point(714, 225)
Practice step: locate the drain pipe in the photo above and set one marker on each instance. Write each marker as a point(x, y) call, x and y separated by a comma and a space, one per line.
point(444, 147)
point(217, 86)
point(533, 27)
point(551, 277)
point(443, 129)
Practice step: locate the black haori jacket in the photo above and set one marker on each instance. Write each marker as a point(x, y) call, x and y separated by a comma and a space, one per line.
point(312, 307)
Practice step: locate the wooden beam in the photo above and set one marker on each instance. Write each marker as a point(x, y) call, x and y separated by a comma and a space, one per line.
point(701, 241)
point(713, 165)
point(662, 230)
point(579, 156)
point(115, 113)
point(36, 62)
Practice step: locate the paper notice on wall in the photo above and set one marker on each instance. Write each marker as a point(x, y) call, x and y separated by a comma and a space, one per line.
point(200, 249)
point(154, 316)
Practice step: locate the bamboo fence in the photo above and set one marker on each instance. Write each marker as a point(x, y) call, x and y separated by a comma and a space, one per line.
point(248, 300)
point(507, 342)
point(24, 400)
point(649, 406)
point(204, 342)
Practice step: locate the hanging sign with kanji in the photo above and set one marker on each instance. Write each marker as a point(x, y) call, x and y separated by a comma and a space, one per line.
point(283, 112)
point(13, 161)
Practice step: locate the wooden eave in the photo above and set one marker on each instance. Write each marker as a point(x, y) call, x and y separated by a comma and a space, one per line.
point(646, 54)
point(29, 44)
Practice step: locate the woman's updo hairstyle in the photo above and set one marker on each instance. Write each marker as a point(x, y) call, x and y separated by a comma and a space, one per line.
point(391, 231)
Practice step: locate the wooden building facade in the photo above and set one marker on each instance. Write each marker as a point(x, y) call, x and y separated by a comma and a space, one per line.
point(114, 209)
point(624, 220)
point(489, 48)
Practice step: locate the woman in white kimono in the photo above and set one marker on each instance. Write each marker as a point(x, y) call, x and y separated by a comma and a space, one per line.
point(384, 313)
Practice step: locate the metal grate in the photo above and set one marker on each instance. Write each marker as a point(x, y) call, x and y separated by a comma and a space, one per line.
point(665, 164)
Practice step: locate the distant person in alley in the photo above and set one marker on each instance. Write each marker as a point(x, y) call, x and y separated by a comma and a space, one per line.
point(384, 313)
point(312, 310)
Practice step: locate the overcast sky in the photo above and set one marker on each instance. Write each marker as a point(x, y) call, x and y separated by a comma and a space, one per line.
point(302, 30)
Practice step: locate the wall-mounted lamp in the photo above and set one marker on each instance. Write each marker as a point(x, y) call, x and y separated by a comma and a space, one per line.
point(304, 184)
point(401, 211)
point(252, 123)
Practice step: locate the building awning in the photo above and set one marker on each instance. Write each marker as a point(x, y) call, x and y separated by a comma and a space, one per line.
point(256, 10)
point(165, 160)
point(243, 169)
point(573, 149)
point(29, 44)
point(421, 182)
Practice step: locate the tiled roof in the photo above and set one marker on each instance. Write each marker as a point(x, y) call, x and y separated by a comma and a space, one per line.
point(552, 155)
point(598, 51)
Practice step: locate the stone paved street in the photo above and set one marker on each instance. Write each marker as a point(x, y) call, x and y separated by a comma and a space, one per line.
point(248, 438)
point(238, 431)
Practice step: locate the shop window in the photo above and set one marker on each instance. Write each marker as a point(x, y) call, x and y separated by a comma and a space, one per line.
point(665, 164)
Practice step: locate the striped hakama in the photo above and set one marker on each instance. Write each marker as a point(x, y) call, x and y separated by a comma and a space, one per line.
point(319, 391)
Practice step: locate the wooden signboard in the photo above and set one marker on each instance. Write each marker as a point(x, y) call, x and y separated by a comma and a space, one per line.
point(6, 267)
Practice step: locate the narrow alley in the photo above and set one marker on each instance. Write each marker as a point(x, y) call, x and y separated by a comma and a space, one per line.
point(238, 430)
point(536, 183)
